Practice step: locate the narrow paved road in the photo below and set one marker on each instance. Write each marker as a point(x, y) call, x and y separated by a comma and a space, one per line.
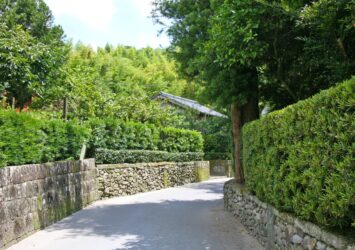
point(182, 218)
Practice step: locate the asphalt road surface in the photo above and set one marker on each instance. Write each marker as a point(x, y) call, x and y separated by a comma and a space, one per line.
point(181, 218)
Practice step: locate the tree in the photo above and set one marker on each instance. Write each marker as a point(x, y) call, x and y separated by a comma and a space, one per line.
point(23, 64)
point(314, 52)
point(192, 47)
point(245, 51)
point(34, 18)
point(116, 81)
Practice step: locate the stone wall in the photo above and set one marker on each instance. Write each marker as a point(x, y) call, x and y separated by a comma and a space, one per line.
point(35, 196)
point(276, 230)
point(127, 179)
point(221, 168)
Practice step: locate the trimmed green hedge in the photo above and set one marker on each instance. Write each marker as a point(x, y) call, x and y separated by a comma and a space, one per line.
point(180, 140)
point(24, 139)
point(301, 158)
point(118, 135)
point(108, 156)
point(217, 146)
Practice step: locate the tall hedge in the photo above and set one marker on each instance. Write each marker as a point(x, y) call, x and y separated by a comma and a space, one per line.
point(25, 138)
point(112, 133)
point(115, 134)
point(180, 140)
point(301, 158)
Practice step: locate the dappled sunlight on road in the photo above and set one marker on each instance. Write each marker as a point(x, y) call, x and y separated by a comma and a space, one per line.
point(188, 217)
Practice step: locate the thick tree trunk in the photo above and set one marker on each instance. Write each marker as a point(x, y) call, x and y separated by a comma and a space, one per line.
point(240, 116)
point(250, 111)
point(236, 129)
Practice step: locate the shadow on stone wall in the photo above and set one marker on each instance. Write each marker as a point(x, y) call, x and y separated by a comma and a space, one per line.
point(35, 196)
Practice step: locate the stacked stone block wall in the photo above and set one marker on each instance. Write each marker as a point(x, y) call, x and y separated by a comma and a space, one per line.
point(127, 179)
point(35, 196)
point(276, 230)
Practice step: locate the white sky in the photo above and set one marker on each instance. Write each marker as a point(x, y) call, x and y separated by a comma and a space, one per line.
point(97, 22)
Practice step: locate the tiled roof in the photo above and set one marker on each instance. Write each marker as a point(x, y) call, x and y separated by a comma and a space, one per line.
point(187, 103)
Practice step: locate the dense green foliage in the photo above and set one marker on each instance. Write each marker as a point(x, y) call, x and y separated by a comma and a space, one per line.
point(23, 61)
point(39, 70)
point(180, 140)
point(288, 50)
point(116, 134)
point(108, 156)
point(217, 156)
point(25, 138)
point(34, 16)
point(301, 158)
point(32, 138)
point(32, 50)
point(118, 82)
point(216, 135)
point(253, 52)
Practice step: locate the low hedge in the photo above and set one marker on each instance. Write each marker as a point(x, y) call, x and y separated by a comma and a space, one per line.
point(301, 158)
point(119, 135)
point(25, 138)
point(108, 156)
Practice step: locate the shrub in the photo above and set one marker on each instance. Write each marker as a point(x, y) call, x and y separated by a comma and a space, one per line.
point(217, 142)
point(115, 134)
point(180, 140)
point(216, 133)
point(108, 156)
point(301, 158)
point(24, 138)
point(217, 156)
point(118, 135)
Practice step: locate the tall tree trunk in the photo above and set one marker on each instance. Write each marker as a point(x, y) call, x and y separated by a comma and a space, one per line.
point(240, 116)
point(236, 129)
point(13, 103)
point(65, 108)
point(250, 111)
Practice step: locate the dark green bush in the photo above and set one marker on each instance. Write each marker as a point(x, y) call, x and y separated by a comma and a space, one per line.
point(217, 156)
point(301, 158)
point(115, 134)
point(216, 133)
point(108, 156)
point(25, 138)
point(217, 142)
point(118, 135)
point(180, 140)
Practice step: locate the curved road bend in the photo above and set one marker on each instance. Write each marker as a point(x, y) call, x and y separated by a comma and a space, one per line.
point(181, 218)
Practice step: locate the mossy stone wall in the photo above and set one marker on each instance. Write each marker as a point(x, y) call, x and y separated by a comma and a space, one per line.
point(127, 179)
point(278, 230)
point(221, 168)
point(34, 196)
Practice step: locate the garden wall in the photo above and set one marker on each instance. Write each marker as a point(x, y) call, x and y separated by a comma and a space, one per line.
point(35, 196)
point(276, 230)
point(127, 179)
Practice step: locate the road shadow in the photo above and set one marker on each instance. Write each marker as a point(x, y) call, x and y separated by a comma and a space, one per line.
point(179, 222)
point(187, 217)
point(143, 225)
